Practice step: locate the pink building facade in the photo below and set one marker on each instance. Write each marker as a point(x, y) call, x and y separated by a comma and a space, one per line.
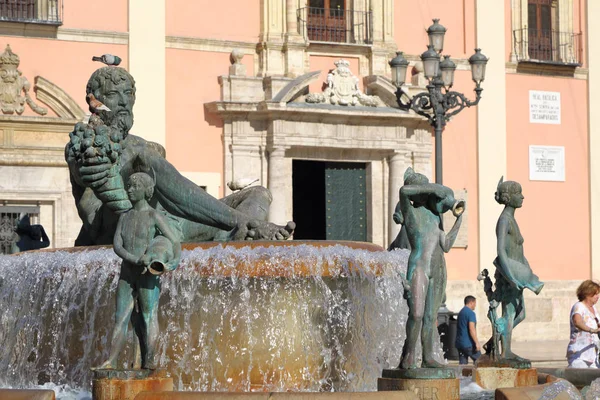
point(222, 116)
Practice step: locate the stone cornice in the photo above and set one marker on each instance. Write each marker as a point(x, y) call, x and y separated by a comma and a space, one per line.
point(40, 124)
point(34, 157)
point(59, 33)
point(224, 46)
point(337, 49)
point(93, 36)
point(323, 113)
point(11, 28)
point(214, 45)
point(578, 72)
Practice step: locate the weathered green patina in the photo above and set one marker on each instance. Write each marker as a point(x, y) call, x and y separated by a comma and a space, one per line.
point(401, 240)
point(102, 155)
point(143, 239)
point(422, 205)
point(513, 275)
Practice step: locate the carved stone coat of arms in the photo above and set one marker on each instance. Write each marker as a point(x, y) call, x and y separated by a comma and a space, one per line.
point(14, 87)
point(342, 89)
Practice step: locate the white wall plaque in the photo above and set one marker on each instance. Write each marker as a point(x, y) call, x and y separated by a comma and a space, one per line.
point(544, 107)
point(547, 163)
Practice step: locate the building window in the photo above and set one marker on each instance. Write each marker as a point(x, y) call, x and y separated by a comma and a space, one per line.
point(540, 32)
point(32, 11)
point(543, 33)
point(331, 21)
point(9, 218)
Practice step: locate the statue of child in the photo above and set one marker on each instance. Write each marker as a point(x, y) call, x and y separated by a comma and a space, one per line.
point(148, 247)
point(422, 205)
point(513, 272)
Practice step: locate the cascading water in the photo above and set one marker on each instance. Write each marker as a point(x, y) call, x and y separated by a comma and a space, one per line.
point(287, 317)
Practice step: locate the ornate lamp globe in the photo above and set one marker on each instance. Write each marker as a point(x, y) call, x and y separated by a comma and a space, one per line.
point(399, 64)
point(447, 67)
point(436, 34)
point(478, 62)
point(431, 62)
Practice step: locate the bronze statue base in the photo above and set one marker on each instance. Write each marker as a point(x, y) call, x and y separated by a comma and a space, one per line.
point(119, 384)
point(419, 373)
point(486, 361)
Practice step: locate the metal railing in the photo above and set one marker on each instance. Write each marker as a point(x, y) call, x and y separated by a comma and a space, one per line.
point(549, 46)
point(335, 25)
point(32, 11)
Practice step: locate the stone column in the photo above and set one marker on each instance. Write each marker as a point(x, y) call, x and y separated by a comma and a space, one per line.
point(377, 9)
point(147, 64)
point(397, 164)
point(515, 11)
point(593, 98)
point(388, 21)
point(377, 217)
point(290, 13)
point(383, 36)
point(295, 45)
point(565, 22)
point(422, 163)
point(270, 46)
point(491, 124)
point(280, 185)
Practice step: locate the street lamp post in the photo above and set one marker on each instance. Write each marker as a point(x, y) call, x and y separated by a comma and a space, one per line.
point(439, 103)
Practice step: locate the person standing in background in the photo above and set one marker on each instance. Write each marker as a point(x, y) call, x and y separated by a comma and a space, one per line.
point(467, 343)
point(582, 351)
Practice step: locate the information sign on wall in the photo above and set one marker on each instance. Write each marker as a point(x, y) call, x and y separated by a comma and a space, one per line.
point(544, 107)
point(547, 163)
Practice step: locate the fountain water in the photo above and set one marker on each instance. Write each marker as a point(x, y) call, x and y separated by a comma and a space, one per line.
point(250, 316)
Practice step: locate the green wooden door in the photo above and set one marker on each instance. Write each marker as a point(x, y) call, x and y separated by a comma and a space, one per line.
point(346, 201)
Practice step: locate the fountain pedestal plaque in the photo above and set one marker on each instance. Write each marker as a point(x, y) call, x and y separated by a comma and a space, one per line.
point(426, 383)
point(112, 384)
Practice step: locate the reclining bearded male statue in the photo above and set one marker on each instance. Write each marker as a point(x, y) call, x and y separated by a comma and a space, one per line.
point(102, 155)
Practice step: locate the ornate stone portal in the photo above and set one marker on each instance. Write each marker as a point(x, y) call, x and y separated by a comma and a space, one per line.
point(267, 124)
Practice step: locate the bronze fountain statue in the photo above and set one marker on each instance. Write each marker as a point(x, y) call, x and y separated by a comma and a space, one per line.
point(513, 275)
point(103, 154)
point(149, 218)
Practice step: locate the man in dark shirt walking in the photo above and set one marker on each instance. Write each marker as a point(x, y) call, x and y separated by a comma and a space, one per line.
point(466, 333)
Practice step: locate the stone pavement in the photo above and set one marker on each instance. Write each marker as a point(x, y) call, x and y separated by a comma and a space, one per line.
point(548, 353)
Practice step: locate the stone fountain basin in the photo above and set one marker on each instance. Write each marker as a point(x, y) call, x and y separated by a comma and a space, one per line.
point(552, 383)
point(241, 316)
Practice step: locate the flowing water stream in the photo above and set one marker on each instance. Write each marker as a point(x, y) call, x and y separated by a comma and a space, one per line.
point(297, 317)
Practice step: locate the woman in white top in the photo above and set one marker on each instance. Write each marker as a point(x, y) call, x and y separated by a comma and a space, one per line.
point(582, 351)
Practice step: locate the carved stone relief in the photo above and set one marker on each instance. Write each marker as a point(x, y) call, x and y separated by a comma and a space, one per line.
point(342, 89)
point(14, 88)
